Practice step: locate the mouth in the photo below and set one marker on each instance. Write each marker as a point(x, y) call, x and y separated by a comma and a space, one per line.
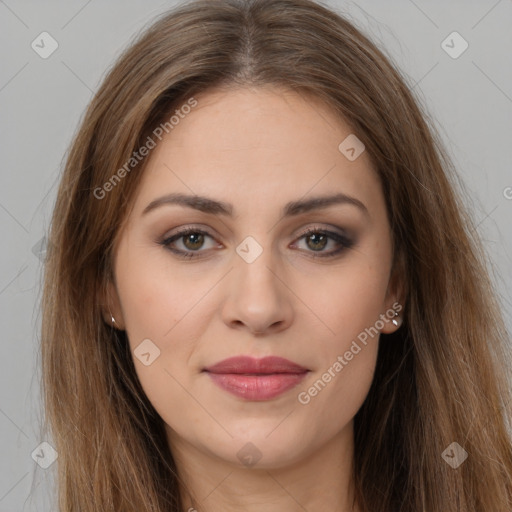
point(256, 379)
point(252, 366)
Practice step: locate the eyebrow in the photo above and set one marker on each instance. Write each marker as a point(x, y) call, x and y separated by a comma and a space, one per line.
point(212, 206)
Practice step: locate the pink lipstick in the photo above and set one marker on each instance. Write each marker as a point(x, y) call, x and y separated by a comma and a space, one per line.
point(256, 379)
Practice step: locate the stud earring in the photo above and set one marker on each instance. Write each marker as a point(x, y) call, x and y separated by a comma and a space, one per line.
point(112, 319)
point(397, 321)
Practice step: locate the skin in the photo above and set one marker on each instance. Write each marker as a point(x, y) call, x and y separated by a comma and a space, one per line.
point(257, 149)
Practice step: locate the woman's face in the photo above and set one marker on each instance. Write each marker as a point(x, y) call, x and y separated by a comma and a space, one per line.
point(249, 281)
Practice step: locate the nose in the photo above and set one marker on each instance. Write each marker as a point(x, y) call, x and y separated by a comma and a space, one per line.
point(258, 297)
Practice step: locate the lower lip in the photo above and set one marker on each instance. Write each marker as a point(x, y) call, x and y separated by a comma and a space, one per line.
point(257, 387)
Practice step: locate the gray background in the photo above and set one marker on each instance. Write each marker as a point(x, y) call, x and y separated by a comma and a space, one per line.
point(42, 100)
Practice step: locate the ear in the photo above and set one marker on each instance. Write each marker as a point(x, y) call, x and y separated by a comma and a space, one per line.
point(395, 297)
point(111, 306)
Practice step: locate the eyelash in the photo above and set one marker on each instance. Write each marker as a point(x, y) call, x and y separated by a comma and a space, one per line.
point(345, 242)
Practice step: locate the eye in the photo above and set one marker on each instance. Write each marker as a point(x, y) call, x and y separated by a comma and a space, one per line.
point(191, 239)
point(317, 239)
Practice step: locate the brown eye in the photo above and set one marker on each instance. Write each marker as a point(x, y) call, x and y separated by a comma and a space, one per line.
point(193, 241)
point(318, 241)
point(188, 242)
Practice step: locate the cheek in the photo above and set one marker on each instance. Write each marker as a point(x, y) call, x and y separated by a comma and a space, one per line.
point(349, 303)
point(155, 310)
point(153, 299)
point(167, 307)
point(345, 302)
point(346, 353)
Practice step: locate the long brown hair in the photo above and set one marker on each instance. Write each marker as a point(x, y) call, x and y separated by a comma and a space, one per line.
point(441, 378)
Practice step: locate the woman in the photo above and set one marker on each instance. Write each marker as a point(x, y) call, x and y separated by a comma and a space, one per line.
point(264, 292)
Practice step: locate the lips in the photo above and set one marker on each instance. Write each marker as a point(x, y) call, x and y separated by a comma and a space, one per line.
point(251, 366)
point(256, 379)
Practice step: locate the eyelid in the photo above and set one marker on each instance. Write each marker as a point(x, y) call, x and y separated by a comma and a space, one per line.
point(339, 235)
point(327, 228)
point(187, 229)
point(182, 231)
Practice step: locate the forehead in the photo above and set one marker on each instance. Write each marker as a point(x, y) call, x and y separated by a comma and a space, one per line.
point(266, 121)
point(254, 146)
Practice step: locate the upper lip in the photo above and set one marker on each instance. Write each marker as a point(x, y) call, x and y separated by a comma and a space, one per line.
point(251, 365)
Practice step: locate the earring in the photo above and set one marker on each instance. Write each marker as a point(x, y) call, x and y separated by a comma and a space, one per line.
point(397, 321)
point(112, 319)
